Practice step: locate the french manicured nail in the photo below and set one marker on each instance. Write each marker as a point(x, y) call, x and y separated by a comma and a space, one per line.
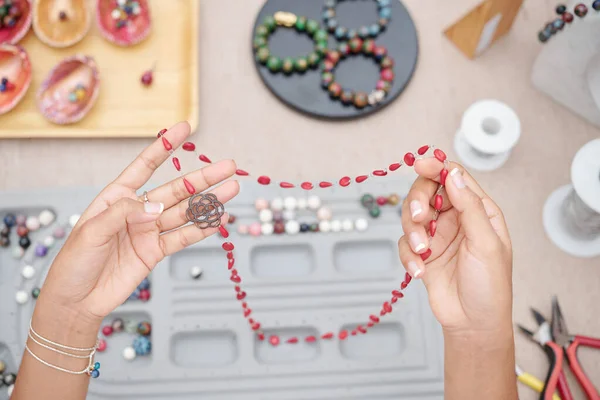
point(415, 208)
point(414, 270)
point(457, 178)
point(154, 208)
point(416, 242)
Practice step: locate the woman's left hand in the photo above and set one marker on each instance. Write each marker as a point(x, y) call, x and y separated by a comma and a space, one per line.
point(119, 239)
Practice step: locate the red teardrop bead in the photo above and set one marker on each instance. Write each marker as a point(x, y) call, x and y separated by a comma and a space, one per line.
point(432, 227)
point(397, 293)
point(380, 172)
point(374, 318)
point(237, 288)
point(400, 294)
point(310, 339)
point(292, 340)
point(394, 299)
point(306, 186)
point(354, 333)
point(382, 313)
point(241, 172)
point(189, 146)
point(409, 159)
point(167, 145)
point(205, 159)
point(387, 307)
point(247, 312)
point(228, 246)
point(394, 166)
point(230, 263)
point(407, 278)
point(256, 326)
point(426, 255)
point(261, 336)
point(438, 202)
point(235, 278)
point(423, 150)
point(443, 176)
point(244, 304)
point(361, 178)
point(328, 335)
point(286, 185)
point(189, 187)
point(274, 340)
point(250, 321)
point(343, 335)
point(264, 180)
point(161, 132)
point(229, 255)
point(403, 285)
point(234, 272)
point(345, 181)
point(241, 296)
point(440, 155)
point(223, 231)
point(325, 184)
point(370, 324)
point(361, 329)
point(176, 163)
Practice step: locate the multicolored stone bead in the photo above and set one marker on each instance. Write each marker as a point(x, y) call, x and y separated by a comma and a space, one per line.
point(561, 9)
point(321, 35)
point(312, 26)
point(363, 32)
point(274, 63)
point(361, 100)
point(314, 227)
point(142, 346)
point(387, 62)
point(375, 212)
point(326, 79)
point(144, 328)
point(367, 201)
point(262, 55)
point(301, 24)
point(344, 49)
point(35, 293)
point(341, 33)
point(347, 97)
point(387, 75)
point(369, 46)
point(581, 10)
point(287, 65)
point(270, 23)
point(380, 52)
point(596, 5)
point(262, 30)
point(301, 64)
point(313, 59)
point(10, 220)
point(355, 45)
point(321, 47)
point(328, 66)
point(335, 90)
point(259, 41)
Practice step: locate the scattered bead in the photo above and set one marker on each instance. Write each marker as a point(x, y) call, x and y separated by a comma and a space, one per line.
point(73, 219)
point(40, 250)
point(2, 367)
point(21, 297)
point(4, 230)
point(367, 201)
point(255, 229)
point(324, 214)
point(304, 228)
point(118, 325)
point(46, 217)
point(35, 293)
point(59, 233)
point(393, 199)
point(347, 225)
point(33, 224)
point(290, 203)
point(274, 340)
point(314, 202)
point(129, 353)
point(9, 379)
point(292, 227)
point(144, 328)
point(243, 229)
point(142, 345)
point(279, 227)
point(24, 242)
point(261, 204)
point(361, 224)
point(147, 78)
point(561, 9)
point(265, 215)
point(144, 284)
point(375, 212)
point(277, 204)
point(48, 241)
point(325, 226)
point(289, 214)
point(336, 226)
point(101, 345)
point(381, 201)
point(18, 251)
point(581, 10)
point(28, 272)
point(196, 272)
point(144, 295)
point(267, 229)
point(10, 220)
point(107, 330)
point(22, 231)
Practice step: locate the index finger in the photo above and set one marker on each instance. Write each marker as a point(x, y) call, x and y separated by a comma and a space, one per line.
point(430, 168)
point(142, 168)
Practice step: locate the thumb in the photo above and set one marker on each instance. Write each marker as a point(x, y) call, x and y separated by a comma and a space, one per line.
point(472, 214)
point(122, 213)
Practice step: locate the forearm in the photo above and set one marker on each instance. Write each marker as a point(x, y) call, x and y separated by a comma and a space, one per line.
point(480, 368)
point(64, 326)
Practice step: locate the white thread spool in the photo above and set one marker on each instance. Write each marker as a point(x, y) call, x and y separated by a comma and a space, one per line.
point(585, 178)
point(488, 132)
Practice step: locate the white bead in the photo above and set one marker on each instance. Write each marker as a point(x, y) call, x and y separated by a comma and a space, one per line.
point(265, 215)
point(292, 227)
point(314, 202)
point(10, 389)
point(32, 223)
point(49, 241)
point(129, 353)
point(361, 224)
point(121, 3)
point(196, 272)
point(46, 217)
point(347, 225)
point(302, 203)
point(336, 225)
point(18, 252)
point(73, 219)
point(267, 229)
point(277, 204)
point(21, 297)
point(28, 272)
point(324, 214)
point(324, 226)
point(115, 14)
point(290, 203)
point(289, 214)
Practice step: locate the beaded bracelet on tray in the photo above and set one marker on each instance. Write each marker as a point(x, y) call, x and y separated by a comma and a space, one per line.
point(343, 33)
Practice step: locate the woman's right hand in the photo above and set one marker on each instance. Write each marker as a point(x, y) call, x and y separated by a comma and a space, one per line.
point(469, 273)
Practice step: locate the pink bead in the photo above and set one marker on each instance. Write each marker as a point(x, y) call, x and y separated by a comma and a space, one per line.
point(432, 227)
point(381, 85)
point(264, 180)
point(345, 181)
point(107, 330)
point(255, 229)
point(382, 201)
point(325, 185)
point(361, 178)
point(176, 163)
point(443, 176)
point(440, 155)
point(327, 336)
point(343, 335)
point(310, 339)
point(387, 74)
point(228, 246)
point(394, 166)
point(144, 295)
point(426, 255)
point(274, 340)
point(243, 229)
point(409, 159)
point(286, 185)
point(261, 204)
point(306, 186)
point(101, 345)
point(292, 340)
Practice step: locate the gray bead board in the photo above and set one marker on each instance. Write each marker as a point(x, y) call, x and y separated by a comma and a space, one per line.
point(310, 283)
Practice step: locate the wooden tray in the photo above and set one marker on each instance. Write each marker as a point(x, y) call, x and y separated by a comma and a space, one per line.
point(124, 108)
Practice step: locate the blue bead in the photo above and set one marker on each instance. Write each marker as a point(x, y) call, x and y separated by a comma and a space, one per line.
point(332, 25)
point(385, 12)
point(135, 295)
point(384, 3)
point(142, 345)
point(304, 227)
point(596, 5)
point(352, 33)
point(95, 374)
point(96, 365)
point(10, 220)
point(374, 30)
point(2, 88)
point(341, 32)
point(4, 81)
point(145, 284)
point(558, 23)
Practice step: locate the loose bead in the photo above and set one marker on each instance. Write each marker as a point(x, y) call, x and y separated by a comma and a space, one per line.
point(40, 250)
point(188, 146)
point(107, 330)
point(343, 335)
point(279, 227)
point(581, 10)
point(374, 318)
point(438, 202)
point(229, 255)
point(324, 214)
point(596, 5)
point(422, 150)
point(4, 241)
point(144, 328)
point(426, 255)
point(394, 300)
point(118, 325)
point(394, 167)
point(261, 204)
point(382, 201)
point(73, 219)
point(314, 227)
point(10, 220)
point(101, 345)
point(21, 231)
point(375, 212)
point(144, 295)
point(265, 215)
point(274, 340)
point(261, 336)
point(403, 285)
point(241, 172)
point(35, 293)
point(144, 284)
point(568, 17)
point(361, 224)
point(432, 227)
point(223, 231)
point(255, 229)
point(189, 187)
point(129, 353)
point(292, 227)
point(255, 326)
point(21, 297)
point(176, 163)
point(247, 312)
point(393, 200)
point(289, 203)
point(325, 226)
point(387, 74)
point(443, 176)
point(361, 178)
point(204, 158)
point(28, 272)
point(243, 229)
point(166, 144)
point(33, 224)
point(264, 180)
point(561, 9)
point(48, 241)
point(347, 225)
point(46, 217)
point(302, 203)
point(95, 374)
point(409, 159)
point(397, 293)
point(267, 229)
point(18, 251)
point(336, 226)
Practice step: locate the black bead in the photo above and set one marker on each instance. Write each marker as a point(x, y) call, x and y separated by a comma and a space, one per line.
point(9, 379)
point(304, 227)
point(24, 242)
point(4, 81)
point(561, 9)
point(10, 220)
point(544, 35)
point(4, 241)
point(4, 230)
point(596, 5)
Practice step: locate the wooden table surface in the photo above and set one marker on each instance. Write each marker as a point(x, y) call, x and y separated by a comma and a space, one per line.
point(240, 119)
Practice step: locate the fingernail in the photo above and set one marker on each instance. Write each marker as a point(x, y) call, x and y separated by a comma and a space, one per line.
point(154, 208)
point(416, 243)
point(415, 208)
point(457, 178)
point(413, 269)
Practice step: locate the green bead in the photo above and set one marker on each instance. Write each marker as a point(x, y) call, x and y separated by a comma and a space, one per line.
point(96, 365)
point(301, 64)
point(321, 48)
point(131, 327)
point(313, 59)
point(262, 55)
point(375, 212)
point(262, 30)
point(35, 293)
point(259, 41)
point(314, 227)
point(288, 65)
point(270, 23)
point(367, 200)
point(312, 26)
point(301, 24)
point(274, 63)
point(3, 11)
point(320, 35)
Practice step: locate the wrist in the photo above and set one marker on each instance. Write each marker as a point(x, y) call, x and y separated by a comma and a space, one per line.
point(486, 340)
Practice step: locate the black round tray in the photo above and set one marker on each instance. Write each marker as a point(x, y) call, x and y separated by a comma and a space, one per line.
point(356, 72)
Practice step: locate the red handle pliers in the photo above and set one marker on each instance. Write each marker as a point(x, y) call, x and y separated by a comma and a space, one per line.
point(558, 343)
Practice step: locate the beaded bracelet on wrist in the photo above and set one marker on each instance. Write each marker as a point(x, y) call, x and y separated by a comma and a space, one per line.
point(289, 64)
point(565, 17)
point(343, 33)
point(358, 99)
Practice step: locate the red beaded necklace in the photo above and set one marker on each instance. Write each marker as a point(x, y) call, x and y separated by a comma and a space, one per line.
point(228, 247)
